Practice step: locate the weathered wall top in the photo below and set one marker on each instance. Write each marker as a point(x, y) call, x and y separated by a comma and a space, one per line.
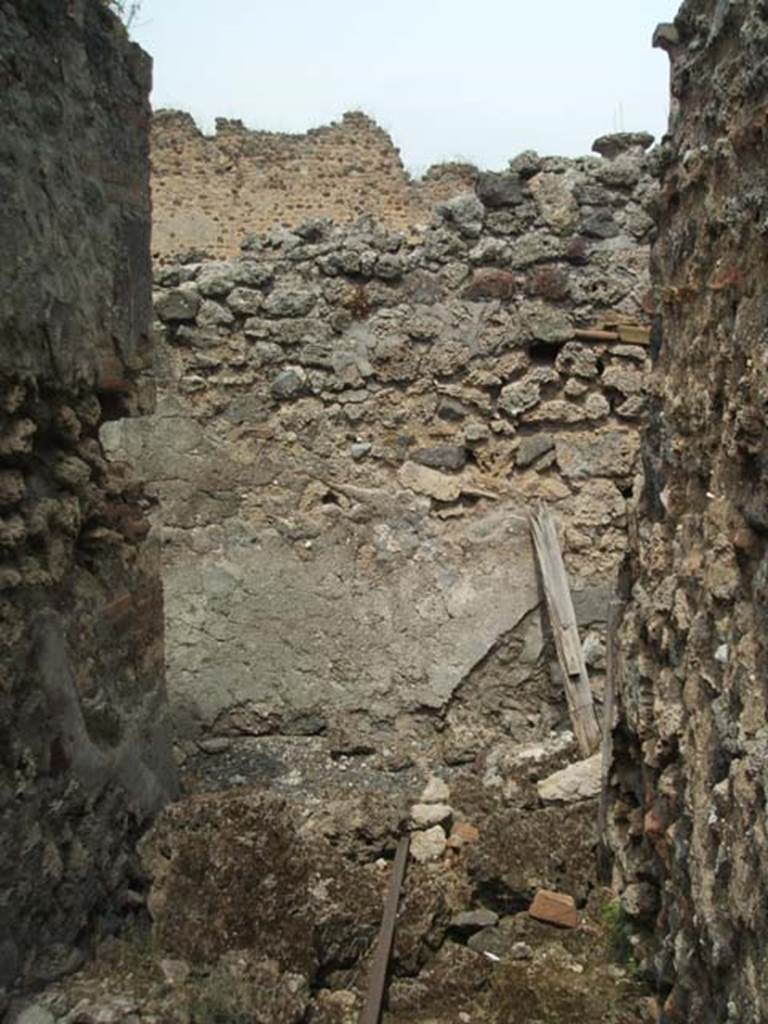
point(208, 192)
point(70, 309)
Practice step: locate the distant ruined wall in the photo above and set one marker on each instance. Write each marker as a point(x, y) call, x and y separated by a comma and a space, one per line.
point(350, 429)
point(84, 754)
point(209, 192)
point(691, 771)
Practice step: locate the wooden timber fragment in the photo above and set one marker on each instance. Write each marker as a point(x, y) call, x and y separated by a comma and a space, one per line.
point(615, 614)
point(567, 642)
point(634, 334)
point(377, 981)
point(610, 330)
point(593, 334)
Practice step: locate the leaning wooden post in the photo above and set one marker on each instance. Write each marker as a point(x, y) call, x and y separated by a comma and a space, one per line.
point(374, 996)
point(567, 643)
point(615, 614)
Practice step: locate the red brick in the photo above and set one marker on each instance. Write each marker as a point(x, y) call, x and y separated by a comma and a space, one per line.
point(554, 908)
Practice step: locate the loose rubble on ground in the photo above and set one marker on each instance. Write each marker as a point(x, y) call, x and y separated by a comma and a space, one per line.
point(265, 885)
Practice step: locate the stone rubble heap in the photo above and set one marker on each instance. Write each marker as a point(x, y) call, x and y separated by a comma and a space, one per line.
point(267, 908)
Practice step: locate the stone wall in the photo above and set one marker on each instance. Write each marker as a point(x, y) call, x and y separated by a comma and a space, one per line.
point(208, 192)
point(84, 758)
point(350, 429)
point(689, 814)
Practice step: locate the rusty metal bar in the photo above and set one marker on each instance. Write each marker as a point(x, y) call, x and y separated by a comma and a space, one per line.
point(377, 981)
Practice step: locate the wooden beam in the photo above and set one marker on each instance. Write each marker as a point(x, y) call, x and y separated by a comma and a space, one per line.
point(566, 635)
point(595, 335)
point(615, 615)
point(377, 981)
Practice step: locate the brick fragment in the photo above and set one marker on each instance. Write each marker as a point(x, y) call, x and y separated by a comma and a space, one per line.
point(554, 908)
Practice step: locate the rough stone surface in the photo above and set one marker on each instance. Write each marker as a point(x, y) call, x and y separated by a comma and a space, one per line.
point(84, 753)
point(428, 845)
point(426, 815)
point(335, 456)
point(436, 791)
point(691, 749)
point(578, 781)
point(292, 899)
point(75, 302)
point(469, 921)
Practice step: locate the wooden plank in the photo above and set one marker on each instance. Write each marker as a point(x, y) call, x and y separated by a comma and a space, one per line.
point(596, 335)
point(377, 981)
point(634, 334)
point(566, 635)
point(615, 615)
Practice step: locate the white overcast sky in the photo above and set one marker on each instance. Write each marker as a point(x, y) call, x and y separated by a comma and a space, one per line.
point(475, 80)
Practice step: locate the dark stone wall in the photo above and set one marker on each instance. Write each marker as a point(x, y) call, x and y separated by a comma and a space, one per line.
point(75, 301)
point(84, 752)
point(691, 765)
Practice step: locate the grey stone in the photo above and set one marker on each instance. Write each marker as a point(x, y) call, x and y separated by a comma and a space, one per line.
point(425, 480)
point(427, 815)
point(469, 921)
point(250, 273)
point(360, 449)
point(532, 446)
point(526, 164)
point(289, 301)
point(450, 409)
point(577, 359)
point(535, 247)
point(625, 379)
point(35, 1013)
point(622, 172)
point(215, 280)
point(213, 314)
point(516, 398)
point(579, 781)
point(500, 190)
point(666, 36)
point(289, 383)
point(436, 791)
point(640, 900)
point(215, 745)
point(491, 940)
point(177, 305)
point(608, 453)
point(465, 212)
point(428, 845)
point(445, 456)
point(600, 224)
point(475, 433)
point(546, 323)
point(555, 200)
point(389, 267)
point(520, 951)
point(610, 146)
point(245, 301)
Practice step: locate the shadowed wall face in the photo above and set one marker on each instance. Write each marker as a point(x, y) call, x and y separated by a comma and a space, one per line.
point(689, 823)
point(84, 756)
